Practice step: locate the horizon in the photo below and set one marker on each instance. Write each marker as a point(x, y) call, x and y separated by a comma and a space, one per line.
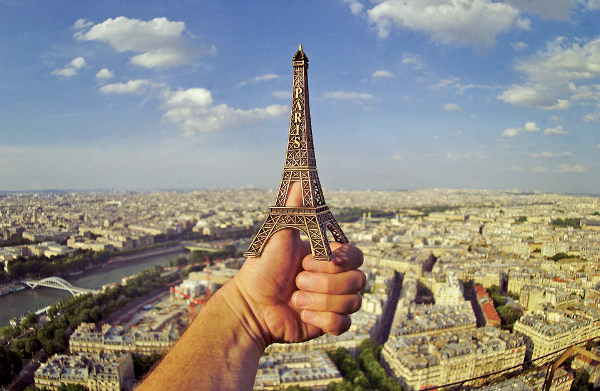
point(270, 190)
point(462, 94)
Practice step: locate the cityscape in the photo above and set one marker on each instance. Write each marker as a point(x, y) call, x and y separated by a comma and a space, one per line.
point(458, 149)
point(462, 284)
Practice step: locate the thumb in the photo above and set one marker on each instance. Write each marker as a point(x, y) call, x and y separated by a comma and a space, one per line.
point(294, 196)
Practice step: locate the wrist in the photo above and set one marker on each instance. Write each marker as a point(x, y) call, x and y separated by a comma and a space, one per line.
point(248, 325)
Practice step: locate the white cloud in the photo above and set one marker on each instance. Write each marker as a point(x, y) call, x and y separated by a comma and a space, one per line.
point(359, 97)
point(592, 117)
point(78, 63)
point(557, 131)
point(381, 74)
point(557, 75)
point(456, 83)
point(412, 59)
point(539, 169)
point(592, 5)
point(82, 24)
point(161, 42)
point(458, 155)
point(531, 127)
point(64, 72)
point(282, 94)
point(194, 111)
point(514, 168)
point(511, 132)
point(257, 79)
point(571, 168)
point(598, 146)
point(463, 22)
point(104, 73)
point(133, 87)
point(519, 46)
point(397, 157)
point(71, 69)
point(452, 107)
point(533, 96)
point(355, 6)
point(550, 155)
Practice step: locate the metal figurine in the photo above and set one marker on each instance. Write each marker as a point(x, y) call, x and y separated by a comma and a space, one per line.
point(314, 217)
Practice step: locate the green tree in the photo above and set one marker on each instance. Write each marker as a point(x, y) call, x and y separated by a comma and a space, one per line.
point(508, 315)
point(581, 382)
point(143, 364)
point(72, 387)
point(29, 320)
point(9, 332)
point(10, 365)
point(368, 358)
point(349, 369)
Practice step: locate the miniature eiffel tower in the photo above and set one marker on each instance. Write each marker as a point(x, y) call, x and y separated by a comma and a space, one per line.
point(314, 217)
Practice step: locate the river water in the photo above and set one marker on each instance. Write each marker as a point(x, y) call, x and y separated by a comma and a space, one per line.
point(16, 304)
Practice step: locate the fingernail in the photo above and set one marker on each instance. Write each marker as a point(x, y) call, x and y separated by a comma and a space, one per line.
point(305, 281)
point(302, 299)
point(309, 316)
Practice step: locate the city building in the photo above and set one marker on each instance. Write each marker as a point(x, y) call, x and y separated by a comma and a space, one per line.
point(550, 332)
point(422, 361)
point(97, 372)
point(88, 338)
point(313, 369)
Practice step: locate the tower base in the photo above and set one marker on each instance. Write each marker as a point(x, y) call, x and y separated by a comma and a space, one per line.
point(313, 222)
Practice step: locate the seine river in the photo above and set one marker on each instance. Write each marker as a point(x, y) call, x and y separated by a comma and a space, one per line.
point(27, 300)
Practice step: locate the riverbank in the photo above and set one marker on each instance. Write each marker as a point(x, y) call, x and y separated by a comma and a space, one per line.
point(16, 286)
point(149, 253)
point(31, 300)
point(11, 287)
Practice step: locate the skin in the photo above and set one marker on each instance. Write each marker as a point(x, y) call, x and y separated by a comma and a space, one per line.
point(283, 296)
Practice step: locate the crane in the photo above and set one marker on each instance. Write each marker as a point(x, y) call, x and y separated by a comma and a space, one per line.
point(192, 300)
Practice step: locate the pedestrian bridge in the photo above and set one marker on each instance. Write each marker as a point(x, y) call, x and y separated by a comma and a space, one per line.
point(58, 283)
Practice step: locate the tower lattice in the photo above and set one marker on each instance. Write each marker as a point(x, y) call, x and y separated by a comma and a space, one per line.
point(313, 217)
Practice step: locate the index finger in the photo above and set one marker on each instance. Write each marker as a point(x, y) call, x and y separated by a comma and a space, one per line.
point(346, 257)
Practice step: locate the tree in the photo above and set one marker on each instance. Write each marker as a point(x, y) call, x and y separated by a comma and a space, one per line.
point(72, 387)
point(508, 315)
point(350, 369)
point(581, 382)
point(9, 332)
point(143, 364)
point(368, 358)
point(29, 320)
point(10, 365)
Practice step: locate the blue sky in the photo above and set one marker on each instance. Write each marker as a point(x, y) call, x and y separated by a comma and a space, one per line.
point(405, 94)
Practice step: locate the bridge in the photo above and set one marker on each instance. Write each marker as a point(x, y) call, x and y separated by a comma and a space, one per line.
point(58, 283)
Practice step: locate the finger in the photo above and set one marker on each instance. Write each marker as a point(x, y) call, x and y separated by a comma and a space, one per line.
point(346, 257)
point(330, 322)
point(294, 196)
point(342, 304)
point(350, 282)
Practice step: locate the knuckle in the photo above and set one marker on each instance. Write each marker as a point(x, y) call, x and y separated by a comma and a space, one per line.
point(330, 284)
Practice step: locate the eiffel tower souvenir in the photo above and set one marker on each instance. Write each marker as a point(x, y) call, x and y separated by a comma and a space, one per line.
point(313, 217)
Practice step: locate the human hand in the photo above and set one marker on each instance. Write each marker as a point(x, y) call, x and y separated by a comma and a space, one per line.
point(287, 296)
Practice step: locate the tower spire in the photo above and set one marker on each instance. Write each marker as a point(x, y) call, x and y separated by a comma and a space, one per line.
point(314, 217)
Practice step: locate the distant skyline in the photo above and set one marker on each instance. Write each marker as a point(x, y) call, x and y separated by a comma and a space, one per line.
point(404, 94)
